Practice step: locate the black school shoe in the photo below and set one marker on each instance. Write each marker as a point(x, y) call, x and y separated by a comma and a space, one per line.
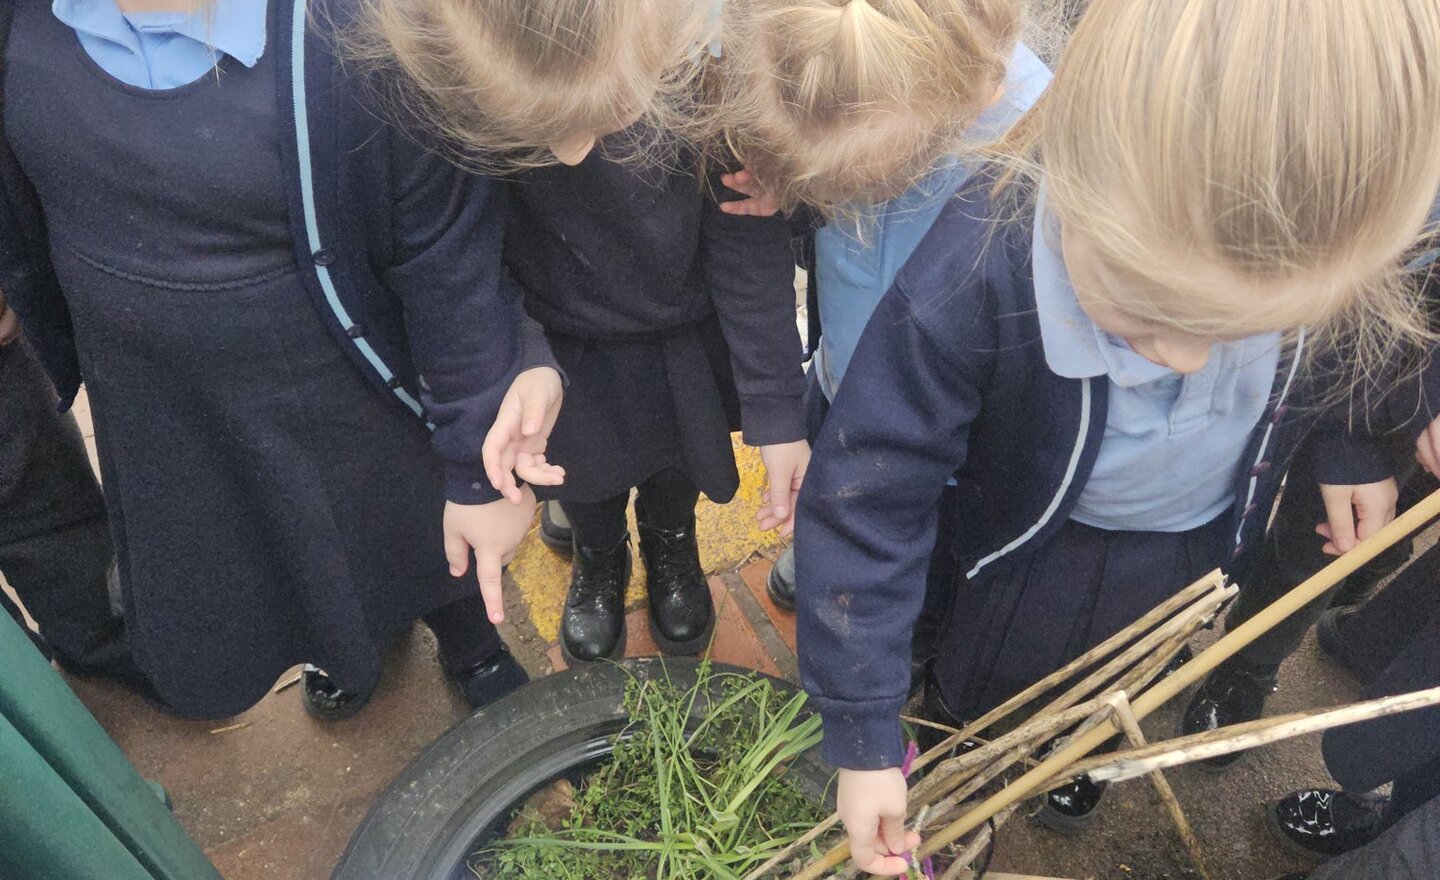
point(1071, 808)
point(682, 613)
point(324, 700)
point(555, 529)
point(781, 582)
point(1228, 696)
point(593, 625)
point(487, 681)
point(1323, 822)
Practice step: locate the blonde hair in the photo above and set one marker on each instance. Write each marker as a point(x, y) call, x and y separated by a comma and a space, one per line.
point(839, 103)
point(501, 80)
point(1287, 148)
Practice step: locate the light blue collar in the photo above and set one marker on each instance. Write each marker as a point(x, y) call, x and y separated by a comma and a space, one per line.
point(1074, 347)
point(234, 27)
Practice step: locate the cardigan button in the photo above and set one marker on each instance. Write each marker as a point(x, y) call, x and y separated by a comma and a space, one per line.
point(324, 257)
point(355, 331)
point(393, 383)
point(1260, 468)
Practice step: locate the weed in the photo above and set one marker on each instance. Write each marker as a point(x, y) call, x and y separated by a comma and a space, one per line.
point(678, 800)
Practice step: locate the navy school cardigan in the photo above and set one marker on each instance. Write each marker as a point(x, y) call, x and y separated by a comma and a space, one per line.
point(399, 250)
point(950, 378)
point(613, 251)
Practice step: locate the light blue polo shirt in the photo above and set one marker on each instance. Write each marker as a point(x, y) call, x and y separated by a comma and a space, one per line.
point(1172, 442)
point(856, 261)
point(165, 50)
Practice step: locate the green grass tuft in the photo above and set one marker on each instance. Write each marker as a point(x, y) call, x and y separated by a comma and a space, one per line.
point(709, 802)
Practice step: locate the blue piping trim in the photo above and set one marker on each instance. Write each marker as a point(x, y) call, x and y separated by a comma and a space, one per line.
point(1074, 466)
point(307, 195)
point(1270, 429)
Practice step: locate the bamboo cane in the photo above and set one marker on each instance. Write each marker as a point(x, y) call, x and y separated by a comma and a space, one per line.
point(1167, 639)
point(1211, 592)
point(1213, 580)
point(1025, 738)
point(1230, 644)
point(1240, 737)
point(1178, 629)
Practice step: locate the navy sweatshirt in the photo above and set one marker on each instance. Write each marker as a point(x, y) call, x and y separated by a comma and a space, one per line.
point(615, 250)
point(950, 376)
point(400, 250)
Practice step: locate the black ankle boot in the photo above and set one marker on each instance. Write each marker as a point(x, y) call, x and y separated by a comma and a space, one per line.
point(593, 627)
point(682, 614)
point(1229, 696)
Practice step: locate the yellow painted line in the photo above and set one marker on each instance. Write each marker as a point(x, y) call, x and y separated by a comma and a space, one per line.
point(727, 533)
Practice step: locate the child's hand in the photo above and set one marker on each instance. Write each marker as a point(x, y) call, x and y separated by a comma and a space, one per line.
point(1355, 513)
point(872, 806)
point(785, 465)
point(494, 531)
point(1427, 448)
point(516, 442)
point(762, 202)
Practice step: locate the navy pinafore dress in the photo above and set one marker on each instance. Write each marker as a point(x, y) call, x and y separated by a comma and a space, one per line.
point(269, 507)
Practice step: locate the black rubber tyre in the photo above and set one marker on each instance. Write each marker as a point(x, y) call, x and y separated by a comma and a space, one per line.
point(464, 787)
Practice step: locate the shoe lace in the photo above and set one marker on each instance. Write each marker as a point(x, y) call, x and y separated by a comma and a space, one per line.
point(673, 563)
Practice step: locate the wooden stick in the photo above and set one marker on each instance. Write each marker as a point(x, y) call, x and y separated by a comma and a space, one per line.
point(1168, 639)
point(966, 859)
point(1212, 593)
point(1131, 725)
point(1213, 580)
point(1026, 738)
point(1241, 737)
point(1229, 645)
point(1187, 622)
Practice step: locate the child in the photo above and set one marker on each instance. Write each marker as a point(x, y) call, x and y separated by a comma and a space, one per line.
point(518, 83)
point(658, 305)
point(963, 77)
point(1124, 369)
point(268, 293)
point(837, 105)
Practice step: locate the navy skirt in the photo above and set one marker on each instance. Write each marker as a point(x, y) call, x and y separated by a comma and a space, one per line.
point(269, 506)
point(1029, 615)
point(637, 407)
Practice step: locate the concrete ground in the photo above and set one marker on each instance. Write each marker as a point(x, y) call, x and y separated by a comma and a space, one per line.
point(274, 795)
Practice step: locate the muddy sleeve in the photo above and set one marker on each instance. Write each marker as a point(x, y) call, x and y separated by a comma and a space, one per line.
point(898, 429)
